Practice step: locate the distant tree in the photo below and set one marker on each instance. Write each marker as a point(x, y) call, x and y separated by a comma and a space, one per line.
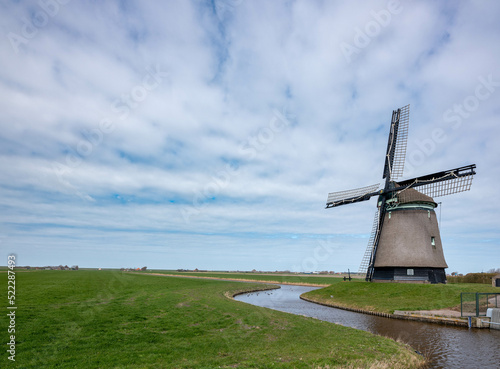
point(144, 269)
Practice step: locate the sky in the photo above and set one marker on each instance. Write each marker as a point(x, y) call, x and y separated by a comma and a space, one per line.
point(208, 134)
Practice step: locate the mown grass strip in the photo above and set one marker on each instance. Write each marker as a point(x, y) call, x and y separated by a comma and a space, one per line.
point(388, 297)
point(109, 319)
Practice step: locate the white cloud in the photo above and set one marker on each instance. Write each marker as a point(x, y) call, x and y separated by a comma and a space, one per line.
point(97, 159)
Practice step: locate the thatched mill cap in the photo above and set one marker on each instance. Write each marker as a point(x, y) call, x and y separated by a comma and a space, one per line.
point(410, 195)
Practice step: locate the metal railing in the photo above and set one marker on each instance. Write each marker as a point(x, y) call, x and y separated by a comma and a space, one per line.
point(476, 303)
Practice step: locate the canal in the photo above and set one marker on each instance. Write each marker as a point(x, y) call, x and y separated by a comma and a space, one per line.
point(445, 346)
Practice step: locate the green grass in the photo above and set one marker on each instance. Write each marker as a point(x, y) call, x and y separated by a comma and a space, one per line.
point(109, 319)
point(263, 277)
point(387, 297)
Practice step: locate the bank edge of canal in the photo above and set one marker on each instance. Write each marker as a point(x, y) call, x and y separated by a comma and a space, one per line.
point(397, 315)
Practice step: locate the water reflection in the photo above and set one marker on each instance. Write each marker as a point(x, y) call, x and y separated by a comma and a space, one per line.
point(447, 347)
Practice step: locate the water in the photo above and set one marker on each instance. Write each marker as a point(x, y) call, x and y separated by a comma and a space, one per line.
point(446, 347)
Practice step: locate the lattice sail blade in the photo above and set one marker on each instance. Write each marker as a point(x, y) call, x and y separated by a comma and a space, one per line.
point(401, 143)
point(365, 262)
point(351, 196)
point(447, 187)
point(443, 183)
point(396, 146)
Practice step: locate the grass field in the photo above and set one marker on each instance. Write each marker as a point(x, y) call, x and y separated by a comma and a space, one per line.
point(110, 319)
point(309, 279)
point(387, 297)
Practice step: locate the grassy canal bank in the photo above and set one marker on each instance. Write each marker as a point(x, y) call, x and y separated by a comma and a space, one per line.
point(90, 319)
point(388, 297)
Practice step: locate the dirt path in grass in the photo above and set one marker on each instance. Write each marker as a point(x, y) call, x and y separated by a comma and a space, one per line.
point(237, 279)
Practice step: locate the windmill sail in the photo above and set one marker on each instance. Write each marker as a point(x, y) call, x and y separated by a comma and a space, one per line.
point(442, 183)
point(396, 145)
point(351, 196)
point(367, 258)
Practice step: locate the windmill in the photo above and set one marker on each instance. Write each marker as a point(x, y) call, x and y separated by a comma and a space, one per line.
point(405, 243)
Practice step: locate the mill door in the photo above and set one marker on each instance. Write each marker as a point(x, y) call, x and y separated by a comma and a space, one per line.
point(432, 277)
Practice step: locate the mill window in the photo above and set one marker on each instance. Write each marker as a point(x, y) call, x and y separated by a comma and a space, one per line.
point(433, 242)
point(409, 272)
